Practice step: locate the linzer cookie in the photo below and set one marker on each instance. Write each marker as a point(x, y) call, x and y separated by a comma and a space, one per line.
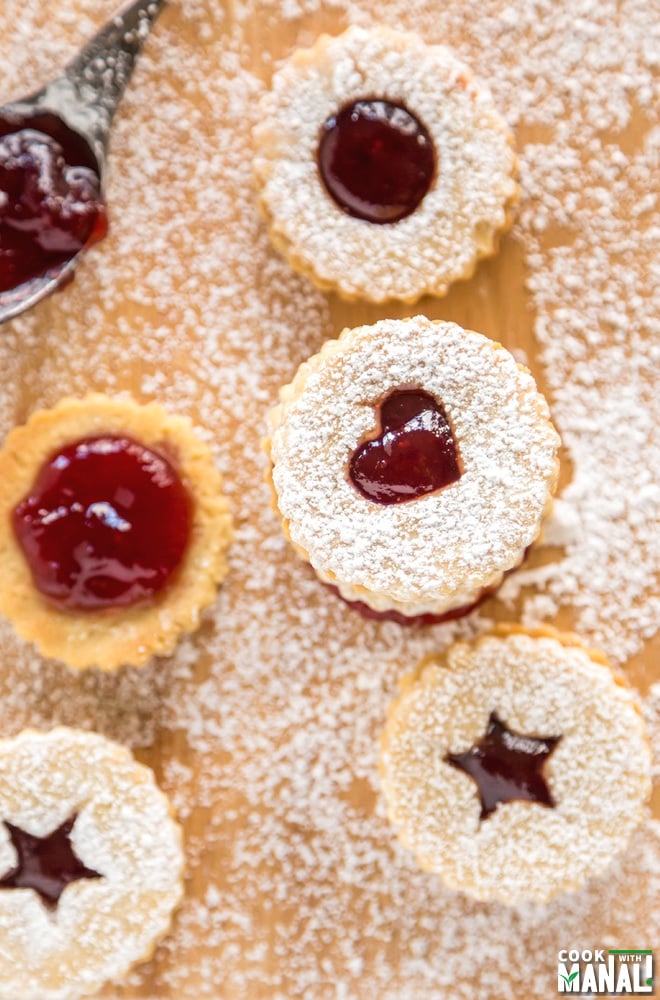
point(384, 170)
point(412, 464)
point(517, 766)
point(113, 530)
point(91, 864)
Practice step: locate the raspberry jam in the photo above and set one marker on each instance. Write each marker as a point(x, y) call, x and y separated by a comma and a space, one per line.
point(421, 621)
point(45, 864)
point(415, 453)
point(50, 198)
point(376, 160)
point(106, 524)
point(507, 767)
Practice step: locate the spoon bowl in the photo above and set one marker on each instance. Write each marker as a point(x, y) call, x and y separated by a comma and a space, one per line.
point(75, 111)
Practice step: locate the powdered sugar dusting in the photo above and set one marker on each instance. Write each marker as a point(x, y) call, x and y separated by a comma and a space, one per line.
point(122, 830)
point(458, 220)
point(264, 725)
point(451, 543)
point(522, 850)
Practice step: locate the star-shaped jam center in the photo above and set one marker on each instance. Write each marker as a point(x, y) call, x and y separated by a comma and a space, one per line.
point(507, 766)
point(46, 864)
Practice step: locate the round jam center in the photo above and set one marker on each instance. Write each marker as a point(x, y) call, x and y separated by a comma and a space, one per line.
point(50, 200)
point(106, 524)
point(376, 160)
point(415, 453)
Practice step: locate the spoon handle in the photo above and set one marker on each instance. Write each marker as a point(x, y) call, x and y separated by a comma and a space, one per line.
point(102, 69)
point(92, 85)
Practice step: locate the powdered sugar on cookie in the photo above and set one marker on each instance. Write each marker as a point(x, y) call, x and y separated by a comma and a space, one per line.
point(123, 831)
point(459, 219)
point(265, 722)
point(438, 551)
point(598, 773)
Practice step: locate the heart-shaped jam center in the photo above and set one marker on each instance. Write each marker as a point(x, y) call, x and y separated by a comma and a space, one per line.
point(376, 160)
point(414, 454)
point(105, 525)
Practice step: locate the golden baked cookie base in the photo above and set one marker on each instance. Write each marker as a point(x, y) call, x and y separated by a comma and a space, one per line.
point(113, 637)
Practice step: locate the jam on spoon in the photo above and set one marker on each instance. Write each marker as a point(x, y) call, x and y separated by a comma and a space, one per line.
point(106, 524)
point(507, 766)
point(377, 160)
point(45, 864)
point(53, 149)
point(51, 205)
point(414, 454)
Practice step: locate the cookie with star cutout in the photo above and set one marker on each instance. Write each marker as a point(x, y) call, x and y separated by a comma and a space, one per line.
point(91, 864)
point(517, 766)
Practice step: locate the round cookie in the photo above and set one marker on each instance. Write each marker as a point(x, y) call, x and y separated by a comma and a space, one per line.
point(452, 417)
point(63, 505)
point(384, 170)
point(91, 864)
point(515, 767)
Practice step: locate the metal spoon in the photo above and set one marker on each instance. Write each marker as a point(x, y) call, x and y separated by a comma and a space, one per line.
point(84, 98)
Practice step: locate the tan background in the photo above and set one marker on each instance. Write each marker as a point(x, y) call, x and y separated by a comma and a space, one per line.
point(263, 726)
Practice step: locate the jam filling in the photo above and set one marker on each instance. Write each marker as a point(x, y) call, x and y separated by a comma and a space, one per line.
point(428, 618)
point(50, 198)
point(45, 864)
point(106, 524)
point(414, 454)
point(376, 160)
point(507, 766)
point(417, 621)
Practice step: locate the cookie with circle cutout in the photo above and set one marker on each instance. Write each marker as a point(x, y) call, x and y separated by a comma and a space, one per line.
point(383, 168)
point(113, 530)
point(412, 464)
point(515, 767)
point(91, 864)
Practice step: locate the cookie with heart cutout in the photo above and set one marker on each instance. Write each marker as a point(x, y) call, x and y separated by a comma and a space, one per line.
point(517, 766)
point(91, 864)
point(383, 168)
point(412, 464)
